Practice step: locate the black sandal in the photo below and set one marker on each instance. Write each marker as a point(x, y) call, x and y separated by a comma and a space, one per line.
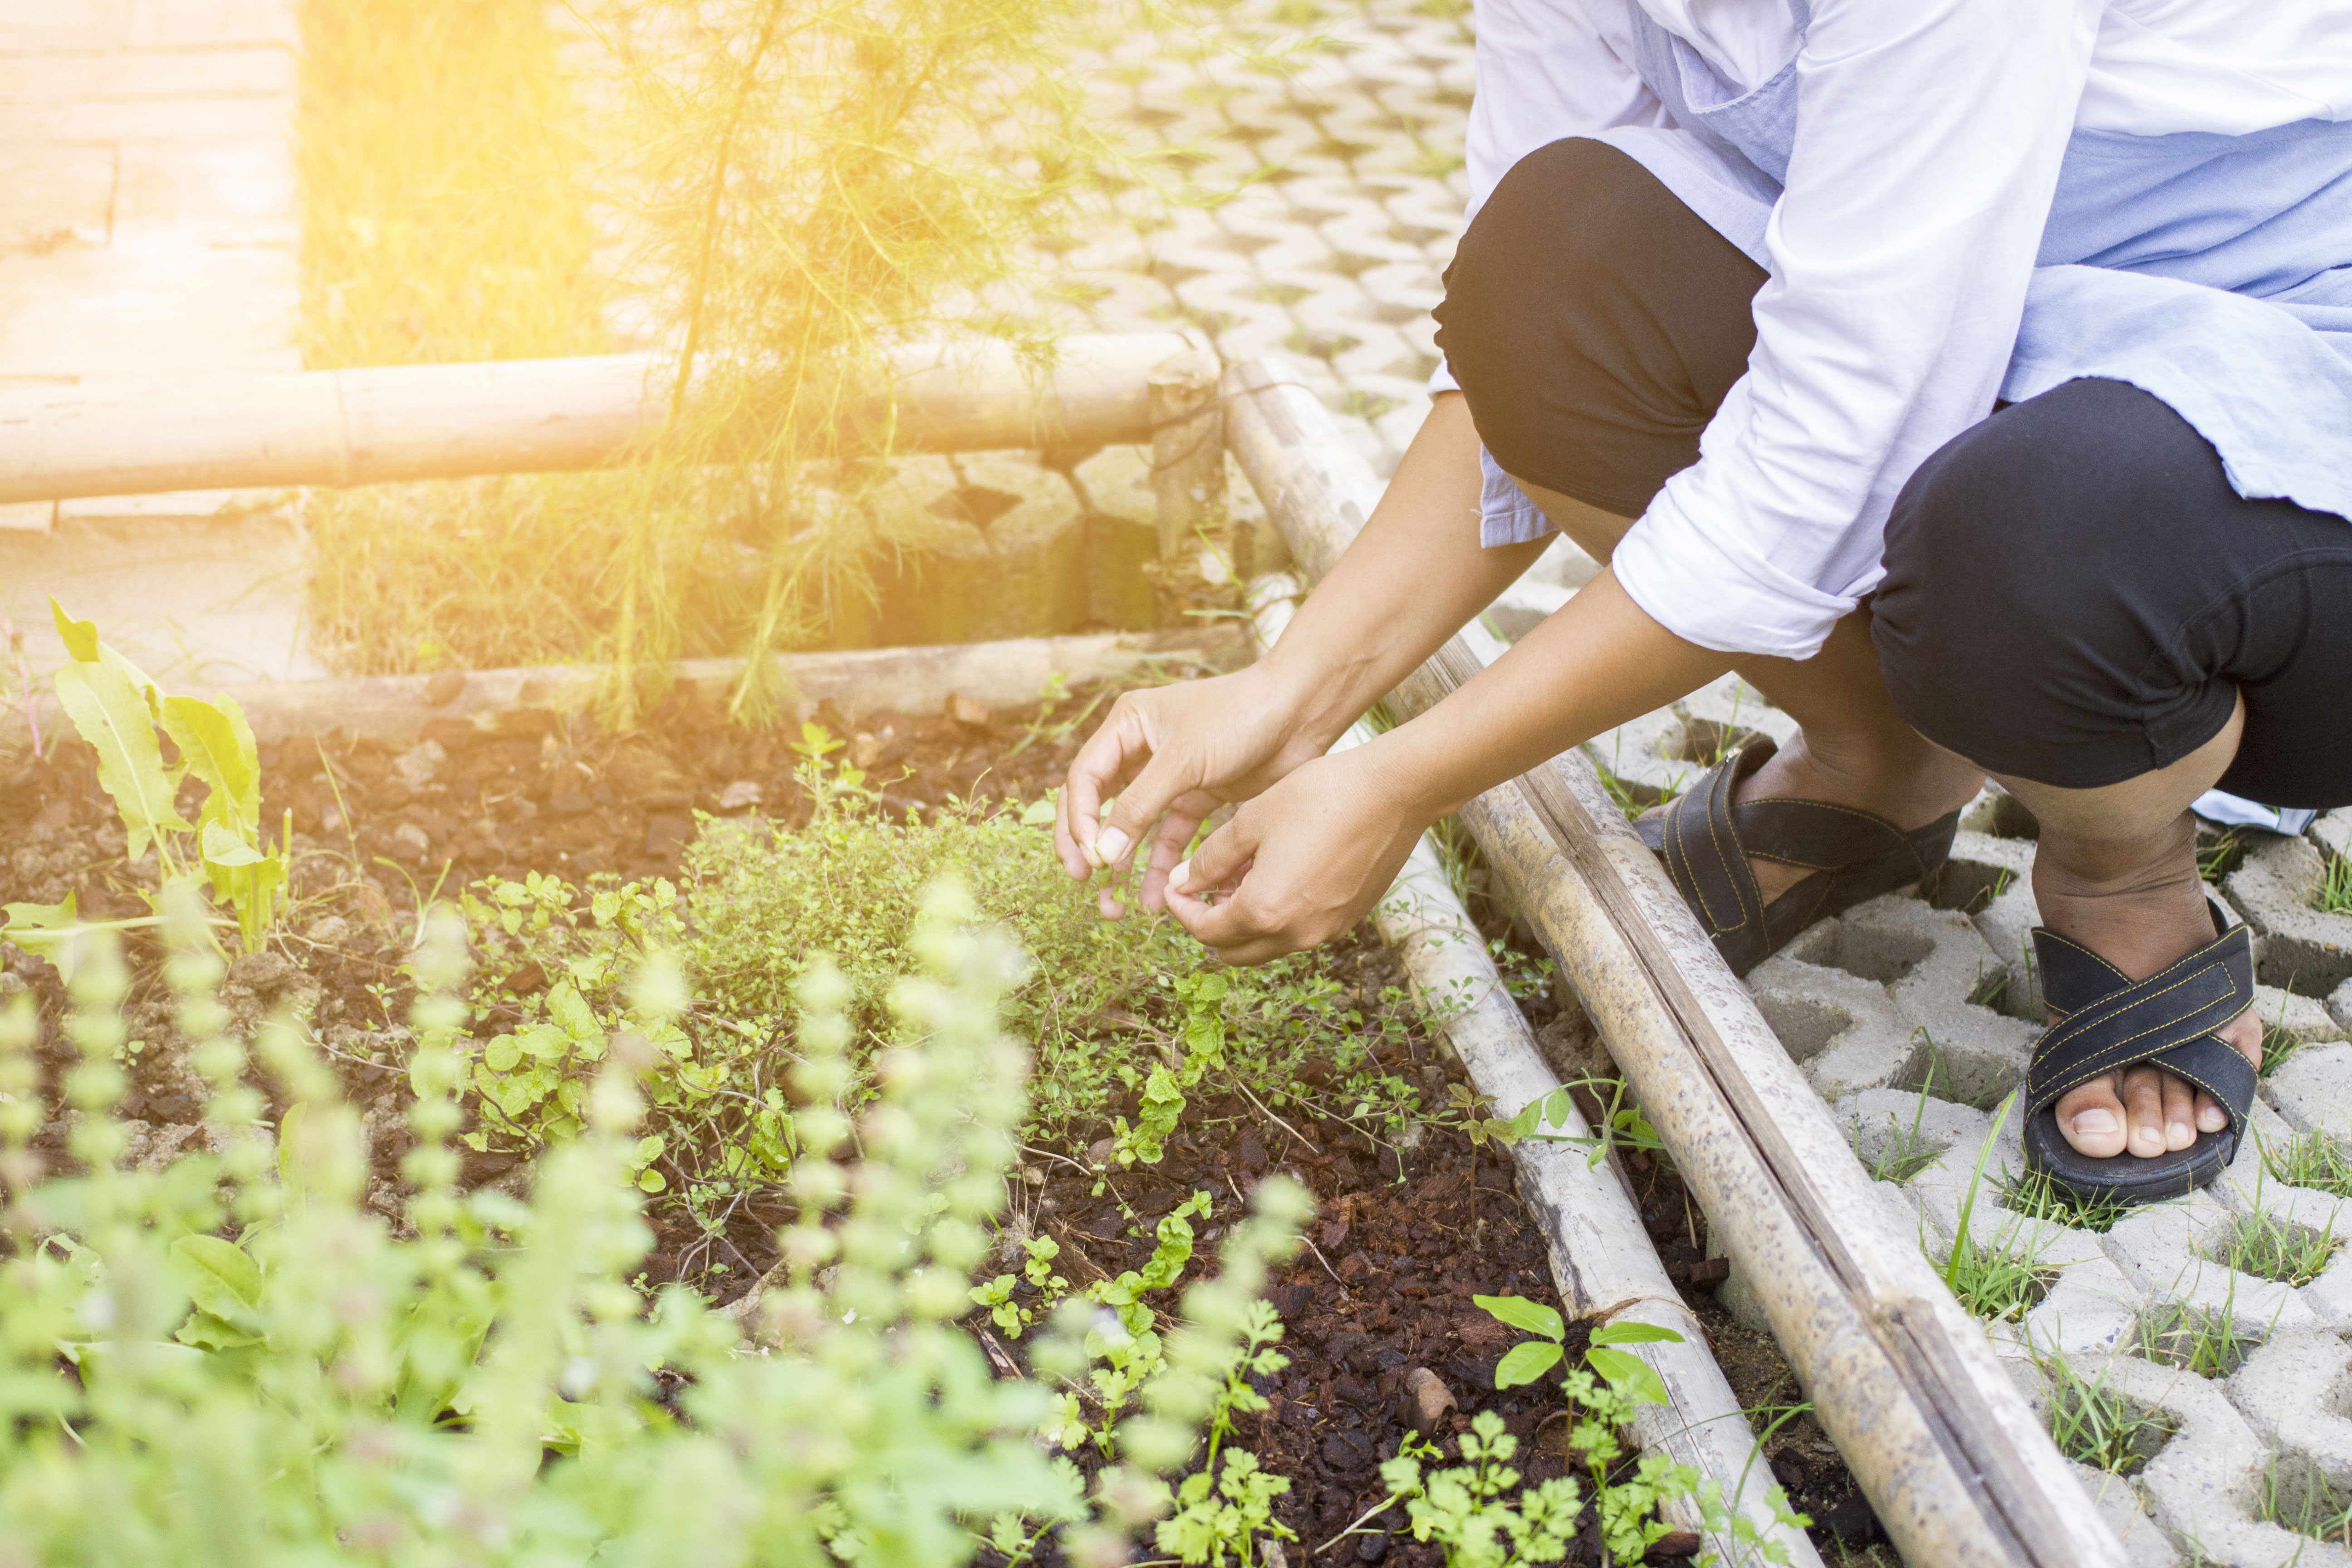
point(2102, 1022)
point(1853, 854)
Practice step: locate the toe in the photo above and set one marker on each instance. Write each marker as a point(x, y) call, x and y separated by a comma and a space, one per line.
point(2210, 1117)
point(2179, 1112)
point(2091, 1119)
point(2144, 1106)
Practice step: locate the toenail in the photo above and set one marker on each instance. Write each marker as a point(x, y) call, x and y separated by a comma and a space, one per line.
point(2091, 1123)
point(2211, 1119)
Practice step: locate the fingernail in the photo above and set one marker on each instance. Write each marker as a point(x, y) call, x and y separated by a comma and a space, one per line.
point(2090, 1123)
point(1179, 876)
point(1111, 843)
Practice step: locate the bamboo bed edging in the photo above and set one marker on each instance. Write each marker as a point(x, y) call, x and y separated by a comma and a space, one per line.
point(1602, 1256)
point(918, 681)
point(1905, 1382)
point(446, 421)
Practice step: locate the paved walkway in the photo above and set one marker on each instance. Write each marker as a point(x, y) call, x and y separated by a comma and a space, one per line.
point(148, 227)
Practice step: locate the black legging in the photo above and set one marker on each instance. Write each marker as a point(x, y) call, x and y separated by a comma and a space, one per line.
point(2074, 592)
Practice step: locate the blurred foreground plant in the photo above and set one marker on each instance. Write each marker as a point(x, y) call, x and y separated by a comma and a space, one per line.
point(231, 1360)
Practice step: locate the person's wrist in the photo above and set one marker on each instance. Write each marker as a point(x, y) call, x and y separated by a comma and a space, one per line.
point(1403, 771)
point(1310, 697)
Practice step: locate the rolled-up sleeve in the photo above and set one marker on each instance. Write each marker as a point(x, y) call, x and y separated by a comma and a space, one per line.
point(1928, 144)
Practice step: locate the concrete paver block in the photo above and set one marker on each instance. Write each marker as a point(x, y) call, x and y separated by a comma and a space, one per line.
point(2303, 949)
point(2296, 1391)
point(2312, 1090)
point(2121, 1509)
point(2173, 1250)
point(2204, 1485)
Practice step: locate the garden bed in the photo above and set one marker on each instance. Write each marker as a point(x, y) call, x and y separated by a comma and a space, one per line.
point(1414, 1219)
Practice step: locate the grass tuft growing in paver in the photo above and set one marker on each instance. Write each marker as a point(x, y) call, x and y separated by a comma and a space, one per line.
point(2336, 886)
point(2296, 1495)
point(2270, 1248)
point(2033, 1196)
point(2203, 1343)
point(2312, 1160)
point(2093, 1425)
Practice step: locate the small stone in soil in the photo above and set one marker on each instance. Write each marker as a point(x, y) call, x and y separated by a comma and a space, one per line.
point(740, 794)
point(1348, 1451)
point(1426, 1399)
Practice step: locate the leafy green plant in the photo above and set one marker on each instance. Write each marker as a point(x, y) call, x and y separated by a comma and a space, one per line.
point(1130, 1029)
point(117, 709)
point(1609, 1387)
point(1225, 1513)
point(1623, 1125)
point(233, 1355)
point(1037, 1270)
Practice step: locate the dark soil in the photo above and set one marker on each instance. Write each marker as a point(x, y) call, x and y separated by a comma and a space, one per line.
point(1403, 1238)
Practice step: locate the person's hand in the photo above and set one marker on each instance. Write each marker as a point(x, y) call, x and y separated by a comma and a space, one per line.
point(1172, 754)
point(1299, 864)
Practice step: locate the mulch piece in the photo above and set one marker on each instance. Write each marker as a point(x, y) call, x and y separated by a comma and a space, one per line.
point(1402, 1238)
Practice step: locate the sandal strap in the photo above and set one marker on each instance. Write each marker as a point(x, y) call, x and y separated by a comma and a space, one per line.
point(1701, 847)
point(2104, 1021)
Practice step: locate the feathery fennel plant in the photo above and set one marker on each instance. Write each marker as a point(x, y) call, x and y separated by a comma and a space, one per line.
point(794, 192)
point(232, 1360)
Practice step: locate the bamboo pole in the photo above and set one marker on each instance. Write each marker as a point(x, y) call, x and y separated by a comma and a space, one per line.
point(1902, 1380)
point(394, 709)
point(1601, 1258)
point(446, 421)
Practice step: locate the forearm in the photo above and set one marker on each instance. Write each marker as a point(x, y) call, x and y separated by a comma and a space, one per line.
point(1596, 663)
point(1410, 581)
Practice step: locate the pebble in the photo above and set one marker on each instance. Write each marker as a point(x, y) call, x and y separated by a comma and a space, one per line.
point(420, 764)
point(411, 839)
point(1426, 1401)
point(739, 795)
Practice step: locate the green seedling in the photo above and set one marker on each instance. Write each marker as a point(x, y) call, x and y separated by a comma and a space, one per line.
point(117, 708)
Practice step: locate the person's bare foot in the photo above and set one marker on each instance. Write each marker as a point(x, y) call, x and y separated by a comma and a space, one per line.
point(1911, 786)
point(2139, 921)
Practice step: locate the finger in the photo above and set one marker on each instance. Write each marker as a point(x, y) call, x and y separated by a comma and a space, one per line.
point(1104, 762)
point(2210, 1117)
point(1168, 844)
point(1066, 838)
point(1163, 781)
point(2144, 1106)
point(1235, 924)
point(1218, 862)
point(2092, 1118)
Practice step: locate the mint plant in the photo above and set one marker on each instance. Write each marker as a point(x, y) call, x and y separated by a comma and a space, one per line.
point(117, 708)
